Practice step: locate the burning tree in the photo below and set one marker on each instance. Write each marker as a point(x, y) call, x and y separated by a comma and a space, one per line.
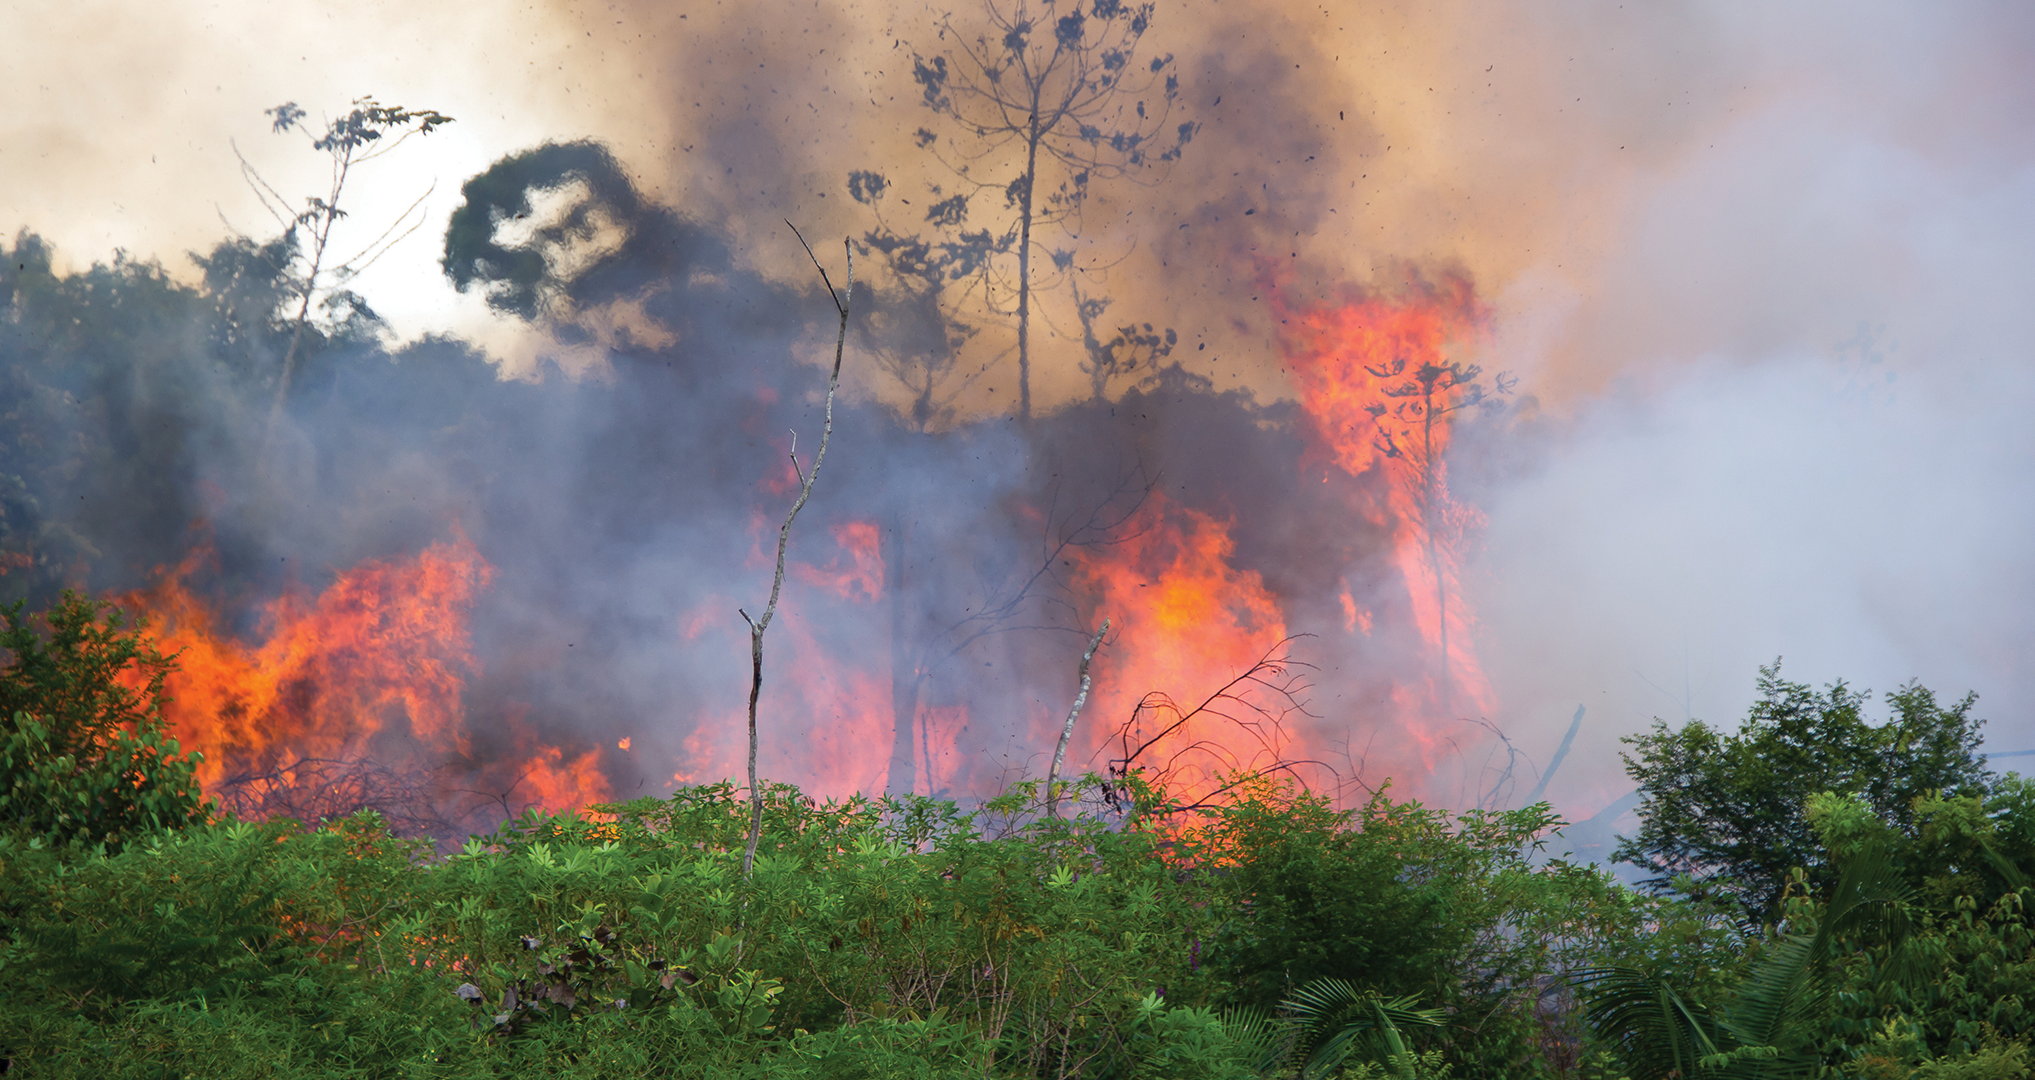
point(1047, 99)
point(917, 340)
point(1419, 403)
point(1377, 383)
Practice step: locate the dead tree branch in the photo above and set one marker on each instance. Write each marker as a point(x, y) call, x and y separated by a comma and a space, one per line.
point(1073, 714)
point(805, 490)
point(1255, 703)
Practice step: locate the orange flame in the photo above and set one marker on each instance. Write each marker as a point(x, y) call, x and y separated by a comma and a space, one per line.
point(378, 662)
point(1184, 621)
point(861, 577)
point(374, 666)
point(1379, 390)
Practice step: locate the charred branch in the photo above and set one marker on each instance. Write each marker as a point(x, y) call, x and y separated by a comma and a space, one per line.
point(1255, 704)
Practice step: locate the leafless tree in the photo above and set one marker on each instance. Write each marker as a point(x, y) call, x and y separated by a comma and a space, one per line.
point(806, 479)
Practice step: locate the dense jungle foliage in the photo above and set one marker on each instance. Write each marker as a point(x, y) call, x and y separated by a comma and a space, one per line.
point(144, 935)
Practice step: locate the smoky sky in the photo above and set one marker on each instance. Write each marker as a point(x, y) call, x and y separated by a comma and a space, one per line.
point(1763, 276)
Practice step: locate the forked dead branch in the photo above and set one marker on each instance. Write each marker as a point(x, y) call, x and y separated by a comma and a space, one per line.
point(1255, 704)
point(806, 479)
point(1073, 714)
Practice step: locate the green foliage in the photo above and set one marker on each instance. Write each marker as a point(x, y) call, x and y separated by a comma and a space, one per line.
point(1396, 898)
point(1338, 1019)
point(1389, 894)
point(1319, 896)
point(876, 938)
point(1963, 976)
point(1728, 809)
point(1270, 936)
point(230, 950)
point(1432, 1065)
point(1902, 972)
point(1774, 1021)
point(84, 752)
point(1916, 960)
point(1895, 1052)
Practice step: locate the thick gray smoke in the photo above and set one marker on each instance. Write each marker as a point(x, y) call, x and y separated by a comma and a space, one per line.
point(1762, 274)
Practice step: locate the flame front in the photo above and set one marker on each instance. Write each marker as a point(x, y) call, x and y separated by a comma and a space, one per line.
point(1185, 621)
point(1380, 393)
point(373, 669)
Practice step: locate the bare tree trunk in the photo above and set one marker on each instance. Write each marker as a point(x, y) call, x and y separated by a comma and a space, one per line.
point(1067, 729)
point(904, 667)
point(268, 438)
point(327, 218)
point(1024, 308)
point(1431, 491)
point(805, 490)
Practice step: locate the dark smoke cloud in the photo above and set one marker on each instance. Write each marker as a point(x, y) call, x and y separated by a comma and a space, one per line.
point(1707, 234)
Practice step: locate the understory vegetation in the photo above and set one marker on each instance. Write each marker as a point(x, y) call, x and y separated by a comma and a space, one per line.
point(142, 934)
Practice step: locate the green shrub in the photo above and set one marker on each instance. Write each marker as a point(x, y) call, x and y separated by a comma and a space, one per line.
point(85, 755)
point(875, 938)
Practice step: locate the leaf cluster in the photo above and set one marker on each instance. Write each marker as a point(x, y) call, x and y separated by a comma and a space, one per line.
point(85, 755)
point(875, 938)
point(1728, 809)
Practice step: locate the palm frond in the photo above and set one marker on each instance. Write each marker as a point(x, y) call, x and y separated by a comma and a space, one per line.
point(1780, 1004)
point(1656, 1033)
point(1350, 1017)
point(1268, 1043)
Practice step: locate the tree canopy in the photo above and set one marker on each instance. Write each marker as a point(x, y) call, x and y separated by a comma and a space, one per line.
point(1730, 810)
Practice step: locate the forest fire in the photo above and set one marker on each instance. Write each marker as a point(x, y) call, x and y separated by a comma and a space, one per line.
point(1185, 621)
point(352, 699)
point(1375, 380)
point(826, 687)
point(360, 695)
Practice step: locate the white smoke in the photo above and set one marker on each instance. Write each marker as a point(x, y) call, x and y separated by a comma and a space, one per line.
point(1813, 438)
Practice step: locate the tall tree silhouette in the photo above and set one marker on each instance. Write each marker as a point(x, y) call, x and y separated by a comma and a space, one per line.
point(349, 141)
point(1048, 101)
point(1409, 429)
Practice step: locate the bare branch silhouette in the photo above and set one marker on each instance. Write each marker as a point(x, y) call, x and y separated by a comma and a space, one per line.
point(1256, 702)
point(807, 478)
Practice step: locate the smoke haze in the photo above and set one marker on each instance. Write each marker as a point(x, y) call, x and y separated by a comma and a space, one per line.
point(1763, 277)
